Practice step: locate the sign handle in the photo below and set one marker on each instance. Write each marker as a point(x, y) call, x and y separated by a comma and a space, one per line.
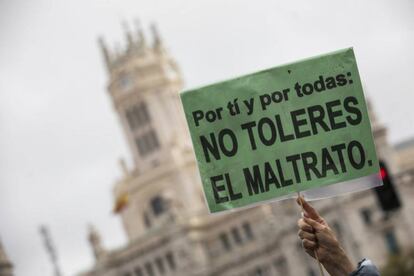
point(315, 251)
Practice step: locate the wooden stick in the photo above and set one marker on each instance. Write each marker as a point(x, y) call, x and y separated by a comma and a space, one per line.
point(314, 251)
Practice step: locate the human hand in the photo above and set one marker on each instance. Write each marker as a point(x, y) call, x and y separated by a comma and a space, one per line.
point(317, 237)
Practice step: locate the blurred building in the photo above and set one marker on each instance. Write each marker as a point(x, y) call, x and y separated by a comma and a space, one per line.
point(6, 267)
point(162, 206)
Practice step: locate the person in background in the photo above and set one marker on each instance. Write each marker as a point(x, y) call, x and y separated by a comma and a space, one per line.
point(317, 236)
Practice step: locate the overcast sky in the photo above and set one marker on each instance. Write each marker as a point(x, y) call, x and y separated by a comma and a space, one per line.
point(60, 138)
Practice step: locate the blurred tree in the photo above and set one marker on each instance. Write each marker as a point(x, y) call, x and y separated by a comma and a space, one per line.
point(399, 265)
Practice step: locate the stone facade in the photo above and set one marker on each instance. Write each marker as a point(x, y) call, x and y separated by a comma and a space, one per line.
point(162, 205)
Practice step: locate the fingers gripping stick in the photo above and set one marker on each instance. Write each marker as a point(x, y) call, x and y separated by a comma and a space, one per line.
point(313, 214)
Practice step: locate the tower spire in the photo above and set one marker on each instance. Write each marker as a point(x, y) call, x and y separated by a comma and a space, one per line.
point(96, 242)
point(128, 34)
point(6, 267)
point(141, 37)
point(105, 52)
point(158, 45)
point(50, 248)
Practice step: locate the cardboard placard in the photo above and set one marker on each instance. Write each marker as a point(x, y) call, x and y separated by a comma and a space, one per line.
point(286, 129)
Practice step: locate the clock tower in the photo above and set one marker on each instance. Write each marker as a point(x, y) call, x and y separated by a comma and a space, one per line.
point(144, 85)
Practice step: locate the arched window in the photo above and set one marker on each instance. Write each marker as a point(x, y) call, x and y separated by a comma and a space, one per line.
point(138, 116)
point(147, 142)
point(248, 231)
point(170, 260)
point(281, 266)
point(149, 269)
point(160, 265)
point(139, 121)
point(225, 241)
point(158, 205)
point(236, 235)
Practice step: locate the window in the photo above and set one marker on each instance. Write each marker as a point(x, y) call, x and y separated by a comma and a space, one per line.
point(153, 139)
point(139, 120)
point(141, 144)
point(281, 266)
point(225, 241)
point(259, 272)
point(149, 269)
point(138, 116)
point(337, 228)
point(366, 215)
point(160, 265)
point(248, 231)
point(392, 243)
point(170, 260)
point(125, 82)
point(158, 205)
point(138, 271)
point(147, 142)
point(142, 113)
point(236, 235)
point(130, 119)
point(147, 220)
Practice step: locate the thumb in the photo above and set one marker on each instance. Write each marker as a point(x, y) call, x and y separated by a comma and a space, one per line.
point(315, 225)
point(309, 210)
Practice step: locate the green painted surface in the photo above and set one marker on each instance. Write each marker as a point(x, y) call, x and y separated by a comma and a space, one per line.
point(295, 127)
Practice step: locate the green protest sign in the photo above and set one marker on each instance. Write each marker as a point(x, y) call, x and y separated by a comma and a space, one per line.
point(290, 128)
